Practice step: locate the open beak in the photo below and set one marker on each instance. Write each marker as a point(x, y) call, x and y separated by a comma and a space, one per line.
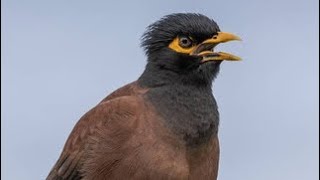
point(206, 48)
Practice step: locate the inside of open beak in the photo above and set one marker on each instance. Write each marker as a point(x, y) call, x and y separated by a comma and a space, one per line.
point(206, 48)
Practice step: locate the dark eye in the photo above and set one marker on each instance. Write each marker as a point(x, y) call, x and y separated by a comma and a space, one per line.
point(185, 42)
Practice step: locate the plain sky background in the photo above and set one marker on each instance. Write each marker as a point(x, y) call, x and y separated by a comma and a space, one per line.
point(60, 58)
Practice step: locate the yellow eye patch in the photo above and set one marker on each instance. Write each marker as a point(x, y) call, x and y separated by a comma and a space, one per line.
point(175, 45)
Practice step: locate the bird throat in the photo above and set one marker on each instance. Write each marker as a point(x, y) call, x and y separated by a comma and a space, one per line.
point(190, 112)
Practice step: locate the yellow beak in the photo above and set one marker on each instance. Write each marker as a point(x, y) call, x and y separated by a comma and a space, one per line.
point(205, 49)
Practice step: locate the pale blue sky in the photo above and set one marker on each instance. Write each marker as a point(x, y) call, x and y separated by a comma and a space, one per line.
point(60, 58)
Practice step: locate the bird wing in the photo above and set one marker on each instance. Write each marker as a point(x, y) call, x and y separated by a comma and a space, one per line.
point(111, 116)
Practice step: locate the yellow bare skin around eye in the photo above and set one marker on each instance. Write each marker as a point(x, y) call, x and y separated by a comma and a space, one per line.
point(174, 45)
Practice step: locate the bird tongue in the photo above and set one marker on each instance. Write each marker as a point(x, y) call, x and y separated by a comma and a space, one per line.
point(204, 48)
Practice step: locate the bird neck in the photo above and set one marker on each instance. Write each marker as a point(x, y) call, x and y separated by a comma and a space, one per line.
point(158, 75)
point(189, 110)
point(153, 77)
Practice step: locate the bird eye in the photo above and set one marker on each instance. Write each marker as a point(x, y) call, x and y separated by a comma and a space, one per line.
point(185, 42)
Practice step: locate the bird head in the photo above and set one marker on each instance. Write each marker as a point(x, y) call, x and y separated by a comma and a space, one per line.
point(184, 43)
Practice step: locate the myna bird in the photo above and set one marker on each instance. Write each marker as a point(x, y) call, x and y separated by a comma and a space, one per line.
point(165, 124)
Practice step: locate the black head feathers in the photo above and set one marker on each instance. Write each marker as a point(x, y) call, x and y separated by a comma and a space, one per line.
point(162, 32)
